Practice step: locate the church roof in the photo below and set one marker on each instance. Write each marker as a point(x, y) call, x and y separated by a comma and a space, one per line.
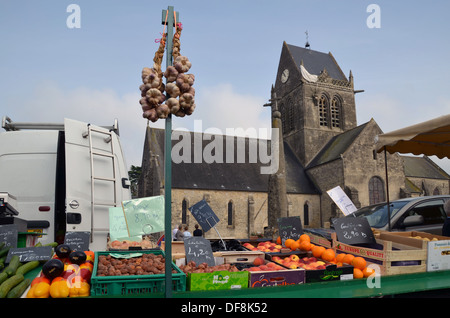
point(315, 61)
point(336, 146)
point(228, 176)
point(423, 167)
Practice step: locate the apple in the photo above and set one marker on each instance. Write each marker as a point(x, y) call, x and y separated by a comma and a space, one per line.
point(294, 257)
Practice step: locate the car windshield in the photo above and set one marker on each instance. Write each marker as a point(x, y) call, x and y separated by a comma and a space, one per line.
point(377, 215)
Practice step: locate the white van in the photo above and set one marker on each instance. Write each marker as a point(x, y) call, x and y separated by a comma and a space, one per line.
point(63, 177)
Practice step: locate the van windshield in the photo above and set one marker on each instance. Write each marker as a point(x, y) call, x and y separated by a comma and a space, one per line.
point(377, 215)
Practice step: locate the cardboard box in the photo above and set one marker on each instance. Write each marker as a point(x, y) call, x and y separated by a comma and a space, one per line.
point(264, 278)
point(215, 280)
point(392, 257)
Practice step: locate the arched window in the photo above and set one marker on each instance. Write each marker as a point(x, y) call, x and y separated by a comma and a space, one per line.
point(184, 207)
point(323, 110)
point(436, 191)
point(230, 212)
point(290, 116)
point(335, 110)
point(306, 214)
point(376, 190)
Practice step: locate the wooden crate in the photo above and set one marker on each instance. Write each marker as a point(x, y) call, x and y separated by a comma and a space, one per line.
point(389, 257)
point(319, 240)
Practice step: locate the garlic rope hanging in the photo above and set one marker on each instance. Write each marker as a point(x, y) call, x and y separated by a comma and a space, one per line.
point(179, 87)
point(179, 84)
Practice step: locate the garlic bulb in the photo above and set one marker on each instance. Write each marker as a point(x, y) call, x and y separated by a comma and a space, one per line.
point(154, 96)
point(173, 105)
point(162, 111)
point(171, 74)
point(186, 100)
point(182, 64)
point(173, 90)
point(185, 81)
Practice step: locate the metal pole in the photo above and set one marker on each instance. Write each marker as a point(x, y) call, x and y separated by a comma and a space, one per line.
point(387, 188)
point(168, 163)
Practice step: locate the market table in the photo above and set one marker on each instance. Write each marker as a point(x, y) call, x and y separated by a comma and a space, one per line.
point(356, 288)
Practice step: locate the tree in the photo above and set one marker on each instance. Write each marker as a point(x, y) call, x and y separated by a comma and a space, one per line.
point(134, 174)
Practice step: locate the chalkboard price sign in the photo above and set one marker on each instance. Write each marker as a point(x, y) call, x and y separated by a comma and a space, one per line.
point(353, 230)
point(199, 250)
point(8, 235)
point(204, 215)
point(290, 228)
point(28, 254)
point(78, 241)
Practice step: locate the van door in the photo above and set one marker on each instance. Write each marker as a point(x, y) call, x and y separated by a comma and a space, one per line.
point(96, 179)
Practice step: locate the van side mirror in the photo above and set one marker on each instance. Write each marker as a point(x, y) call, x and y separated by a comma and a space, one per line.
point(413, 220)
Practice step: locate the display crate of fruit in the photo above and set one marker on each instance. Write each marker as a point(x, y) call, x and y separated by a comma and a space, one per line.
point(270, 248)
point(132, 273)
point(316, 269)
point(391, 257)
point(263, 272)
point(438, 246)
point(212, 277)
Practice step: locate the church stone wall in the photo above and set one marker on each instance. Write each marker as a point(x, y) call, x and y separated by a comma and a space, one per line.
point(327, 177)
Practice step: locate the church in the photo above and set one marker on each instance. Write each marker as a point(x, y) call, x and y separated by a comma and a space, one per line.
point(322, 147)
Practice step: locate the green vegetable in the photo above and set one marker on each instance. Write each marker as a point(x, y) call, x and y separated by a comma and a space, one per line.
point(2, 245)
point(3, 277)
point(17, 291)
point(4, 251)
point(25, 268)
point(13, 265)
point(9, 284)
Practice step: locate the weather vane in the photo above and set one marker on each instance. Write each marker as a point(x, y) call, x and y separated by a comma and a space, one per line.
point(307, 42)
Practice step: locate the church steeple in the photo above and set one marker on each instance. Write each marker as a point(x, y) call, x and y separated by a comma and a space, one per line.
point(316, 99)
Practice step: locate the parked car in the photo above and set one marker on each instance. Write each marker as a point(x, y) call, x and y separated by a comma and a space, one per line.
point(424, 214)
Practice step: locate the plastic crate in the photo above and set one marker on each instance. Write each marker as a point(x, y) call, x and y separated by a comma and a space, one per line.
point(134, 284)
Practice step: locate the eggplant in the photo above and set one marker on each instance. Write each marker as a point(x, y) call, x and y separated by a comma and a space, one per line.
point(63, 251)
point(53, 268)
point(77, 257)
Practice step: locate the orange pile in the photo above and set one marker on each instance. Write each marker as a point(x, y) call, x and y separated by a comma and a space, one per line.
point(360, 269)
point(303, 243)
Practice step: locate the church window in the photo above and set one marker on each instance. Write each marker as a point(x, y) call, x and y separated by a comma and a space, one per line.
point(323, 111)
point(335, 110)
point(184, 206)
point(376, 190)
point(290, 116)
point(230, 212)
point(436, 191)
point(306, 214)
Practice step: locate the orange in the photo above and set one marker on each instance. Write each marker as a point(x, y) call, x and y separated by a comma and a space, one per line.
point(305, 237)
point(317, 251)
point(348, 259)
point(340, 257)
point(368, 271)
point(305, 245)
point(359, 262)
point(357, 273)
point(288, 242)
point(294, 245)
point(279, 240)
point(328, 255)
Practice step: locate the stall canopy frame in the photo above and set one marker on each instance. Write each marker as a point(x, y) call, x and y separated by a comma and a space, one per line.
point(430, 138)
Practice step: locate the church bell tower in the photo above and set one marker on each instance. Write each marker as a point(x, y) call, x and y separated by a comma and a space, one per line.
point(316, 102)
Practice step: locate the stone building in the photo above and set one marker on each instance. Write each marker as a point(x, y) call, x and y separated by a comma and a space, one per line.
point(323, 147)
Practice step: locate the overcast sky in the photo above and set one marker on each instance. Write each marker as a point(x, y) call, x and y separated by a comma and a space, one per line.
point(92, 72)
